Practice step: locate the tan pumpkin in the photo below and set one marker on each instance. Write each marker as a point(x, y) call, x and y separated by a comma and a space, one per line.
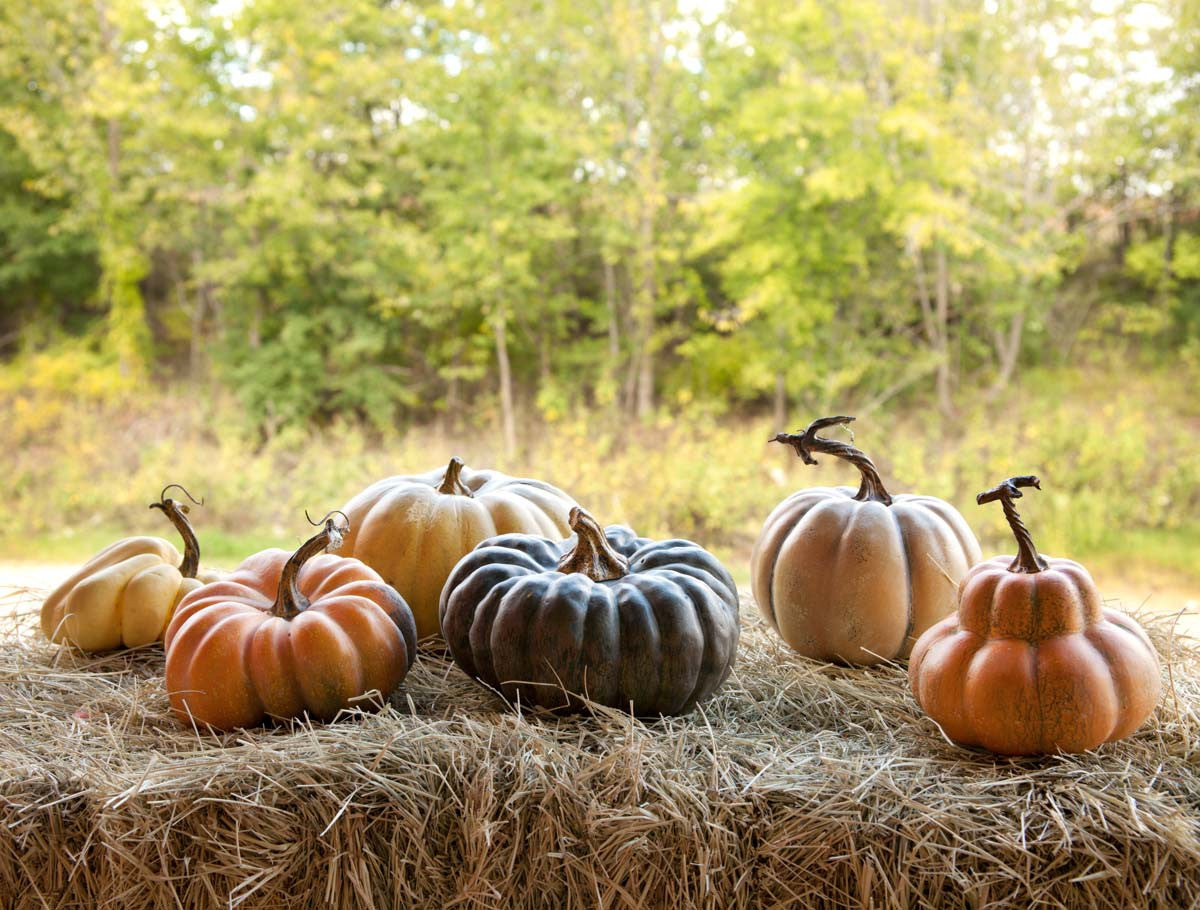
point(857, 576)
point(287, 634)
point(124, 595)
point(413, 529)
point(1032, 663)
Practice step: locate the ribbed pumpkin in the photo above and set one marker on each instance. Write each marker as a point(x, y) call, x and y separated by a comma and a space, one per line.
point(857, 576)
point(413, 529)
point(287, 634)
point(1032, 663)
point(124, 595)
point(635, 624)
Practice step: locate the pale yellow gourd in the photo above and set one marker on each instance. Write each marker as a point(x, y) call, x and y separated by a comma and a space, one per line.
point(126, 594)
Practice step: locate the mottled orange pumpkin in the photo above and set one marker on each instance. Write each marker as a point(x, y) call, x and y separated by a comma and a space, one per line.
point(287, 635)
point(857, 576)
point(1032, 663)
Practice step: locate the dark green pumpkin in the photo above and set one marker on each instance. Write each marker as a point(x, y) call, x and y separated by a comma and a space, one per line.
point(635, 624)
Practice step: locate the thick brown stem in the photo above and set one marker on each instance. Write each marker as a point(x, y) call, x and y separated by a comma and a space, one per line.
point(808, 442)
point(177, 511)
point(451, 481)
point(289, 602)
point(1027, 561)
point(592, 555)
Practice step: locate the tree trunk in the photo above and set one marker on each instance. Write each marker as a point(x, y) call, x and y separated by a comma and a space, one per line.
point(199, 308)
point(112, 127)
point(1174, 200)
point(642, 134)
point(1008, 349)
point(934, 317)
point(781, 403)
point(614, 333)
point(1124, 220)
point(544, 359)
point(507, 417)
point(945, 378)
point(452, 421)
point(254, 333)
point(645, 399)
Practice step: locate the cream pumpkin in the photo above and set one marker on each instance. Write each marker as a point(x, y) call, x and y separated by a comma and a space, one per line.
point(413, 529)
point(857, 576)
point(124, 596)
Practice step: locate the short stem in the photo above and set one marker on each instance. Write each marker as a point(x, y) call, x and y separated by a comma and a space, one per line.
point(592, 554)
point(452, 480)
point(177, 513)
point(870, 488)
point(1027, 561)
point(289, 602)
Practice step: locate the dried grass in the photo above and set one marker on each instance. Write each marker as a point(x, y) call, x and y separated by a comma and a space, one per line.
point(800, 785)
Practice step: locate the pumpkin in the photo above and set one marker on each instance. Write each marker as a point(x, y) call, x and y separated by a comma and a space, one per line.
point(287, 634)
point(1032, 663)
point(124, 595)
point(413, 529)
point(644, 626)
point(857, 576)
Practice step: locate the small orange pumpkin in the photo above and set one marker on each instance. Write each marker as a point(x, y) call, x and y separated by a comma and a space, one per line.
point(1032, 663)
point(286, 635)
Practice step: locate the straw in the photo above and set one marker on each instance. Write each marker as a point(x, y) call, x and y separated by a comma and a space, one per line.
point(798, 785)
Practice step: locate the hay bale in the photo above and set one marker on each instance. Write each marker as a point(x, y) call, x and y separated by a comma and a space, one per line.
point(799, 785)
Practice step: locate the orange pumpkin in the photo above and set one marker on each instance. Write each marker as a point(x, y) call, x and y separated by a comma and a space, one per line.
point(857, 576)
point(413, 529)
point(1032, 663)
point(286, 635)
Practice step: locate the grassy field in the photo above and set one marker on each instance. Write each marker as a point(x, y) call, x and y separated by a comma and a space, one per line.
point(1117, 456)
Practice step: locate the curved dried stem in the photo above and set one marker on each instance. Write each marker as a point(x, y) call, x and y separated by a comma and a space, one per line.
point(1027, 560)
point(807, 442)
point(289, 602)
point(177, 512)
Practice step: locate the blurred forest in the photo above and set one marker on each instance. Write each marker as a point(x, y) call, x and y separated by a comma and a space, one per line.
point(273, 249)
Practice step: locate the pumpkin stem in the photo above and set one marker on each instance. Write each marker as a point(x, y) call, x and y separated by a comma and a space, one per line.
point(451, 480)
point(289, 602)
point(1027, 560)
point(592, 554)
point(177, 511)
point(808, 442)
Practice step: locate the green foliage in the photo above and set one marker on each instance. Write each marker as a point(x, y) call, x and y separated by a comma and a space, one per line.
point(402, 212)
point(604, 238)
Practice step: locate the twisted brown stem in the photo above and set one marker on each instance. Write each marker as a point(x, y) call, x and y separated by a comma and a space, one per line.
point(177, 512)
point(452, 479)
point(1027, 560)
point(289, 602)
point(592, 554)
point(871, 487)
